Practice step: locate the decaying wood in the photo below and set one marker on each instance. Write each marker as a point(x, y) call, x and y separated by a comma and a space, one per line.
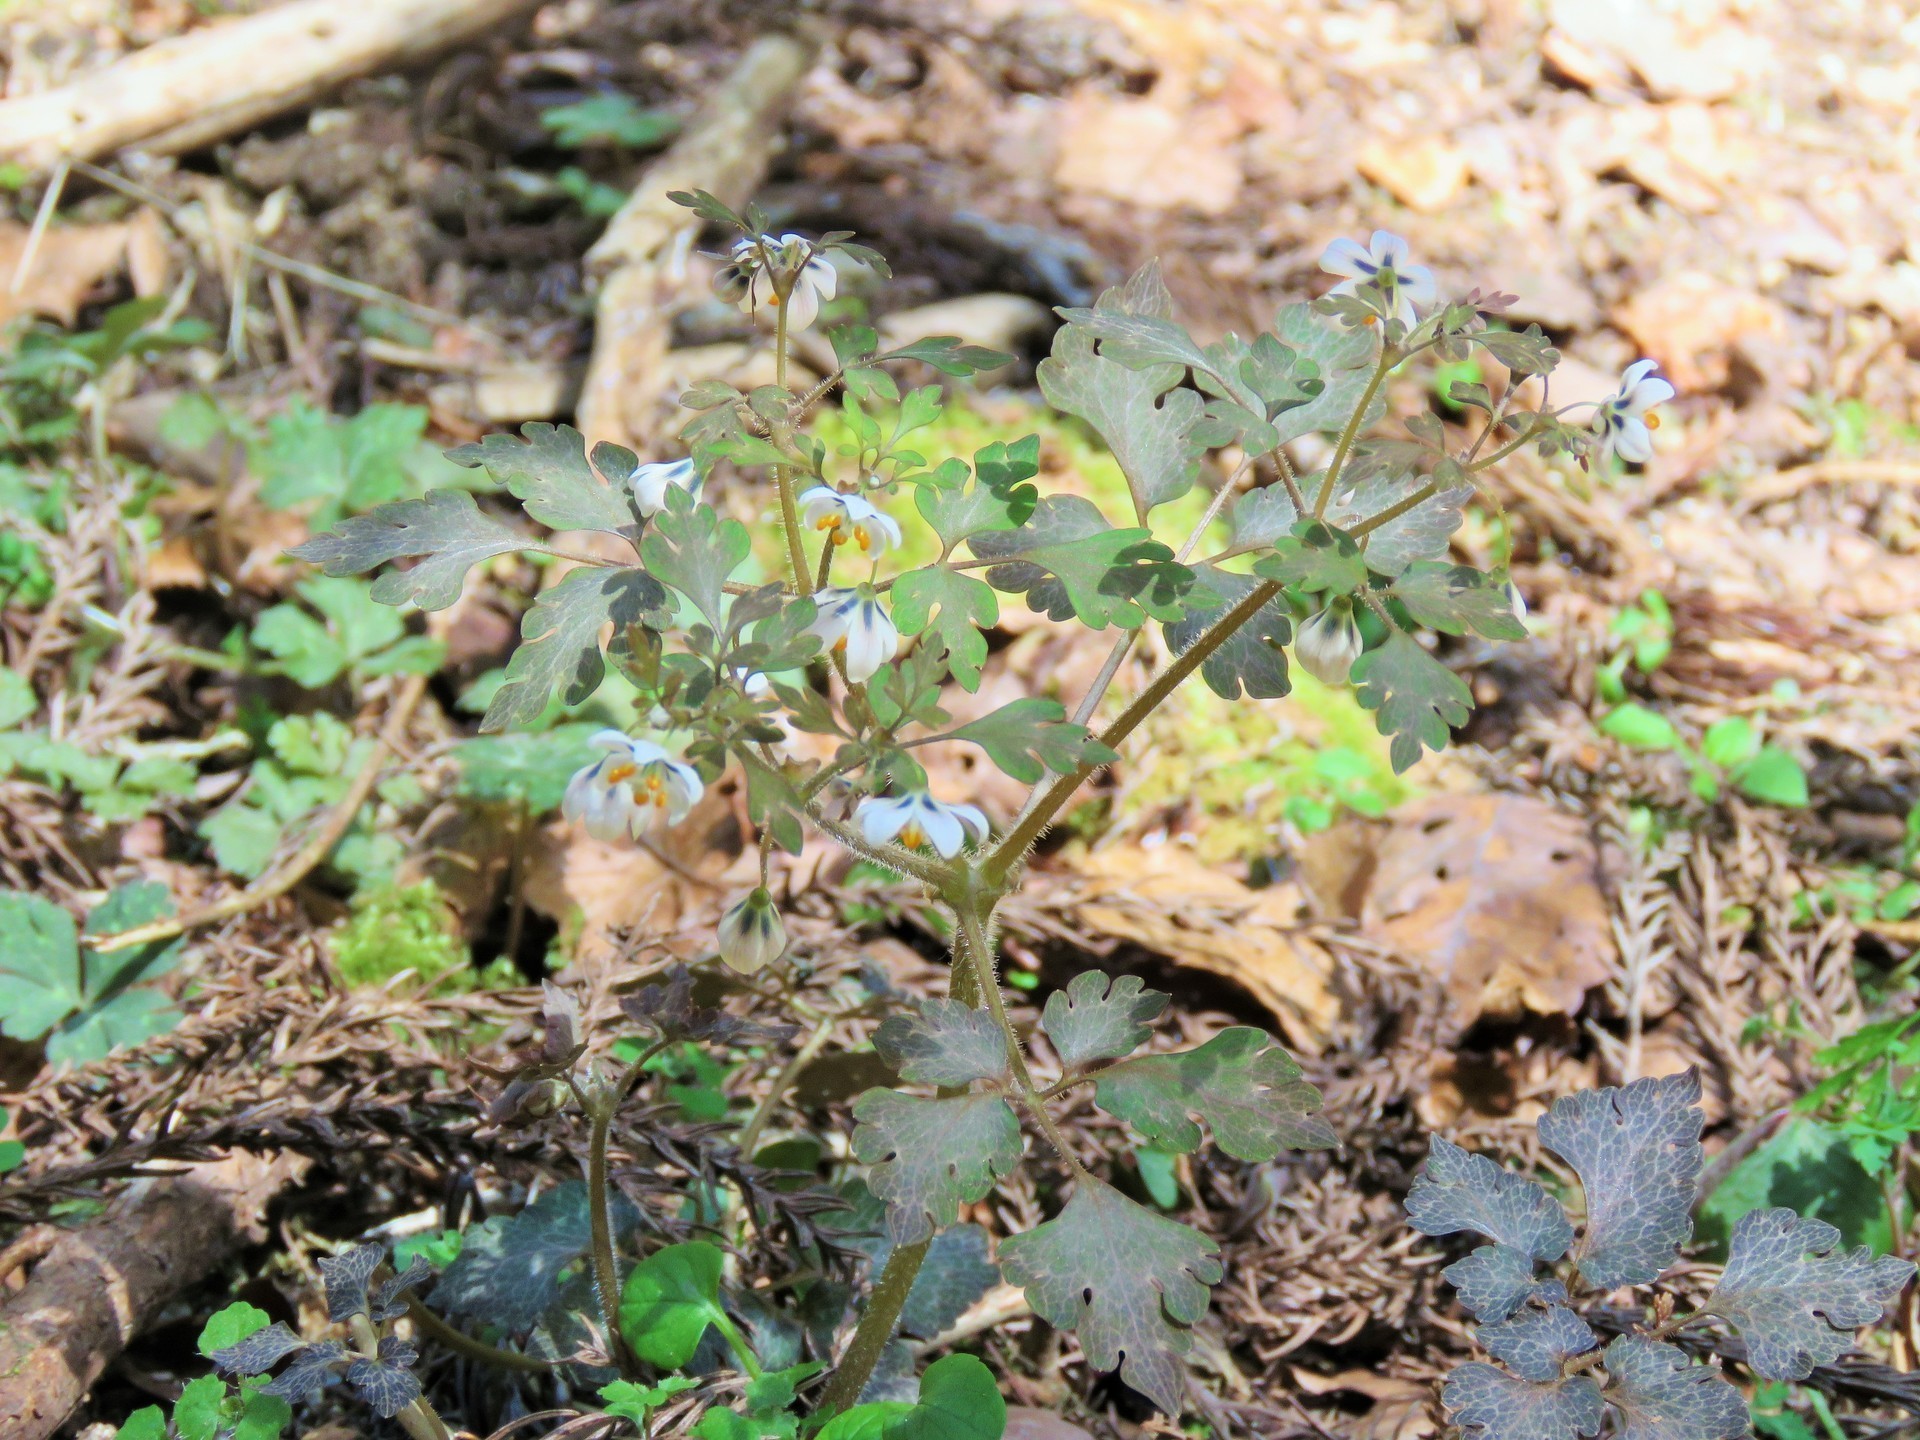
point(200, 87)
point(96, 1287)
point(723, 151)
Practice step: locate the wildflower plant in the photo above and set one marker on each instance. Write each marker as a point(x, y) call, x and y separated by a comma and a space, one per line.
point(1351, 557)
point(1789, 1288)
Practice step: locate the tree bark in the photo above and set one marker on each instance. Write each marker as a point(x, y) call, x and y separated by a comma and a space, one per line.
point(189, 91)
point(97, 1287)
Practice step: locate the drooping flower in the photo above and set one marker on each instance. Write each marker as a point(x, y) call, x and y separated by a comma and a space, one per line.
point(1383, 262)
point(752, 936)
point(1621, 420)
point(652, 481)
point(628, 788)
point(769, 264)
point(1329, 642)
point(917, 819)
point(850, 518)
point(854, 622)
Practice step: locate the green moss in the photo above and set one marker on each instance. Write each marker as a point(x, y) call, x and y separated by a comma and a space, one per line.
point(396, 928)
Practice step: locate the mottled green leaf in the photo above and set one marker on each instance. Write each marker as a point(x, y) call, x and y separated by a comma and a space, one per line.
point(995, 495)
point(1026, 737)
point(1488, 1403)
point(695, 551)
point(1315, 557)
point(1250, 659)
point(40, 980)
point(1459, 1190)
point(1100, 1017)
point(1343, 361)
point(559, 650)
point(942, 1042)
point(1421, 533)
point(1537, 1342)
point(510, 1267)
point(1247, 1089)
point(1128, 1282)
point(930, 1157)
point(1417, 698)
point(550, 475)
point(1496, 1280)
point(951, 356)
point(1146, 417)
point(449, 532)
point(1069, 561)
point(955, 607)
point(1456, 599)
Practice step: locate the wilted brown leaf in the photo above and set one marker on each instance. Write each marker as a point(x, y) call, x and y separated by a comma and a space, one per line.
point(71, 261)
point(1499, 897)
point(1144, 151)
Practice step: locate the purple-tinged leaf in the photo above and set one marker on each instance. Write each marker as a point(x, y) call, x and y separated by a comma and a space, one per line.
point(944, 1043)
point(1535, 1343)
point(1488, 1403)
point(1459, 1190)
point(1496, 1280)
point(1248, 1090)
point(930, 1157)
point(1662, 1395)
point(1098, 1017)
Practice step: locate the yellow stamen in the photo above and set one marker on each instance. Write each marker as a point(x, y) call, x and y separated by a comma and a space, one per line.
point(1653, 422)
point(841, 645)
point(827, 522)
point(839, 536)
point(912, 837)
point(860, 534)
point(620, 771)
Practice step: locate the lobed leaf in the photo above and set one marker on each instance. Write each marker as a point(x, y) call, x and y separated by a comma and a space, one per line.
point(1100, 1017)
point(1456, 599)
point(1417, 698)
point(1262, 516)
point(559, 651)
point(1795, 1297)
point(950, 355)
point(953, 606)
point(695, 551)
point(258, 1352)
point(1637, 1153)
point(1146, 417)
point(1421, 533)
point(40, 977)
point(312, 1365)
point(995, 496)
point(943, 1042)
point(1069, 561)
point(1248, 1090)
point(550, 476)
point(388, 1389)
point(447, 529)
point(930, 1157)
point(1343, 361)
point(1488, 1403)
point(1537, 1342)
point(1251, 658)
point(510, 1267)
point(345, 1278)
point(1459, 1190)
point(1027, 737)
point(1662, 1395)
point(1315, 557)
point(1496, 1280)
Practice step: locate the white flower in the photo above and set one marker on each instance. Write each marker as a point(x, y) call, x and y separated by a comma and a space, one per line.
point(1383, 261)
point(855, 623)
point(651, 482)
point(1329, 643)
point(850, 517)
point(751, 934)
point(813, 278)
point(630, 787)
point(753, 684)
point(917, 819)
point(1622, 422)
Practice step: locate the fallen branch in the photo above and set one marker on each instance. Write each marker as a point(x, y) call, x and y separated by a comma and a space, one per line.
point(96, 1288)
point(317, 848)
point(183, 93)
point(1826, 472)
point(639, 259)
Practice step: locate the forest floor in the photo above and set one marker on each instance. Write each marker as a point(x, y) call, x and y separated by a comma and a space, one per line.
point(1604, 880)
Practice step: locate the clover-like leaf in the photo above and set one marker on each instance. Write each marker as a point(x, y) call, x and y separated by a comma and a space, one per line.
point(1344, 363)
point(668, 1301)
point(1315, 557)
point(930, 1157)
point(1796, 1296)
point(1488, 1403)
point(1250, 659)
point(1536, 1342)
point(1067, 560)
point(1099, 1017)
point(345, 1278)
point(1128, 1282)
point(559, 652)
point(1146, 417)
point(549, 474)
point(1662, 1395)
point(943, 1042)
point(446, 530)
point(695, 551)
point(388, 1389)
point(1456, 599)
point(1459, 1190)
point(1031, 735)
point(995, 495)
point(1247, 1089)
point(257, 1352)
point(1496, 1280)
point(40, 976)
point(955, 607)
point(1417, 699)
point(1637, 1153)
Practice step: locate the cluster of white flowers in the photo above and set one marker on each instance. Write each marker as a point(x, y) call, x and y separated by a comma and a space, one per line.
point(760, 267)
point(851, 518)
point(634, 784)
point(854, 622)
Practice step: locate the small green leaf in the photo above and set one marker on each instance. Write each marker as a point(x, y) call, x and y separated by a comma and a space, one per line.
point(636, 1402)
point(1416, 697)
point(447, 528)
point(550, 475)
point(199, 1410)
point(1069, 561)
point(669, 1301)
point(1159, 1175)
point(995, 496)
point(1457, 598)
point(1248, 1090)
point(1146, 416)
point(1525, 352)
point(930, 1157)
point(530, 769)
point(1639, 728)
point(559, 650)
point(1774, 777)
point(1026, 737)
point(40, 977)
point(956, 608)
point(695, 551)
point(609, 118)
point(146, 1423)
point(17, 700)
point(951, 356)
point(1099, 1017)
point(1315, 557)
point(1730, 742)
point(958, 1401)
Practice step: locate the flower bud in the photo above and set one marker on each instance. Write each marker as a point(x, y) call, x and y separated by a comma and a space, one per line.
point(1329, 642)
point(751, 935)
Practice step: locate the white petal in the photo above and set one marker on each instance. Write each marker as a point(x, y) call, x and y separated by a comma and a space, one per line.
point(760, 295)
point(1647, 394)
point(1416, 284)
point(882, 819)
point(1388, 248)
point(867, 650)
point(1632, 440)
point(942, 829)
point(803, 306)
point(975, 819)
point(825, 279)
point(886, 533)
point(573, 804)
point(1346, 257)
point(1635, 373)
point(609, 740)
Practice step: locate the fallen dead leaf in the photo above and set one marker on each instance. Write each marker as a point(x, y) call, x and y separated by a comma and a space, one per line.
point(1148, 152)
point(1426, 174)
point(70, 263)
point(1499, 897)
point(1692, 323)
point(1400, 1408)
point(1165, 900)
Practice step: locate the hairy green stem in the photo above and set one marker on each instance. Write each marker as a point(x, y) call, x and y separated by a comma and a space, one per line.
point(1354, 422)
point(432, 1326)
point(782, 476)
point(606, 1275)
point(420, 1420)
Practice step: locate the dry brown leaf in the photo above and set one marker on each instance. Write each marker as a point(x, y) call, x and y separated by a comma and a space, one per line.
point(1426, 174)
point(70, 262)
point(1692, 323)
point(1499, 897)
point(1165, 900)
point(1400, 1407)
point(1147, 152)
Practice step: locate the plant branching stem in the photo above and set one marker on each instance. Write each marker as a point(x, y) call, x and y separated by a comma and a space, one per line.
point(431, 1325)
point(1388, 358)
point(606, 1275)
point(757, 1123)
point(782, 475)
point(420, 1420)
